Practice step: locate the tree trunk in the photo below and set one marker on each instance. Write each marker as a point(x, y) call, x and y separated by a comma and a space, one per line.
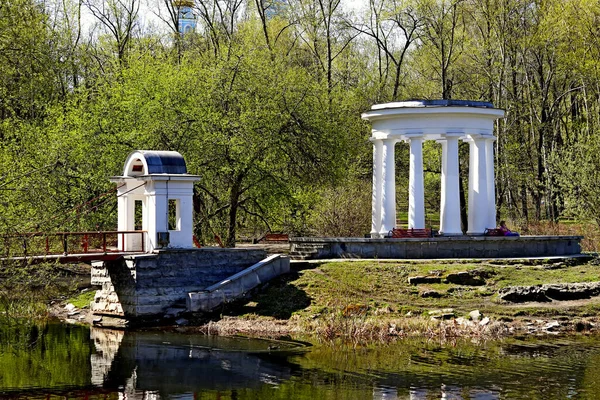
point(234, 197)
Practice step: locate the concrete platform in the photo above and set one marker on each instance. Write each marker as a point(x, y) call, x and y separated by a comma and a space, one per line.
point(478, 247)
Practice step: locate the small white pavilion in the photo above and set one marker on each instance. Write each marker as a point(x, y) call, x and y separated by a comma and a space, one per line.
point(155, 195)
point(447, 122)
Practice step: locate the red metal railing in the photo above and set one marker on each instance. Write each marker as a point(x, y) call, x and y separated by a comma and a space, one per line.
point(65, 243)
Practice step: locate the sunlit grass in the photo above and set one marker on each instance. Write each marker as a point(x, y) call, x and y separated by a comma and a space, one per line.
point(82, 300)
point(365, 298)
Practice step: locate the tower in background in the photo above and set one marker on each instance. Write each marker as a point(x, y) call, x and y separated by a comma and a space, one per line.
point(185, 15)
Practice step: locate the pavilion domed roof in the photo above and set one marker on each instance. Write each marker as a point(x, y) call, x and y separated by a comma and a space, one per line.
point(147, 162)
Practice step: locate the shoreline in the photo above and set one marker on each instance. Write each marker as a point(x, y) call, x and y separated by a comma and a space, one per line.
point(382, 301)
point(359, 330)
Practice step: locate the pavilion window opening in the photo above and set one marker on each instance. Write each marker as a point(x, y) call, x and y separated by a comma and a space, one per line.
point(138, 212)
point(174, 215)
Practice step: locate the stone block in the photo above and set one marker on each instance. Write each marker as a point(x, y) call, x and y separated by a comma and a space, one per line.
point(418, 280)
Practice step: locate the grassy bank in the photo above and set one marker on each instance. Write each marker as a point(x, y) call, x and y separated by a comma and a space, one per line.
point(26, 289)
point(373, 300)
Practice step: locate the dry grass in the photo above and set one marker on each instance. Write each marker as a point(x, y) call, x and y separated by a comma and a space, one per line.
point(257, 326)
point(363, 330)
point(589, 231)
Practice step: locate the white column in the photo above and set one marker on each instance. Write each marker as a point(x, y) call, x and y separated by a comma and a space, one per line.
point(491, 182)
point(123, 213)
point(478, 189)
point(416, 191)
point(388, 192)
point(376, 203)
point(450, 199)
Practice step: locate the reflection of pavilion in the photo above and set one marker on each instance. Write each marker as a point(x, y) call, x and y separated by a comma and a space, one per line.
point(168, 363)
point(446, 121)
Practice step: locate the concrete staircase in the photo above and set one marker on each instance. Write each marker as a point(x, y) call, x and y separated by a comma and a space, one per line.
point(306, 251)
point(238, 285)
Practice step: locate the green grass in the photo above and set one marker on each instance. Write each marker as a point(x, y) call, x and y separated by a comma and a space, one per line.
point(380, 289)
point(82, 300)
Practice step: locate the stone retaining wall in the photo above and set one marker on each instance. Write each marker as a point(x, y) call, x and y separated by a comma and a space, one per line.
point(437, 247)
point(148, 285)
point(238, 285)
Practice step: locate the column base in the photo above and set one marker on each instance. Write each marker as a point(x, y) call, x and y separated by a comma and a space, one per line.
point(376, 235)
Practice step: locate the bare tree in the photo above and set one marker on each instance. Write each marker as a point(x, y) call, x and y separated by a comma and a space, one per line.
point(119, 17)
point(444, 25)
point(394, 25)
point(323, 28)
point(220, 19)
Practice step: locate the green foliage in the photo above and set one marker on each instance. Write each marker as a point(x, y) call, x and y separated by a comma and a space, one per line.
point(46, 356)
point(582, 195)
point(83, 300)
point(26, 289)
point(267, 109)
point(343, 211)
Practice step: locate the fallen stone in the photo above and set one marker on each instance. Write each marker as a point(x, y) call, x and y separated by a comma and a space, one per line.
point(549, 292)
point(469, 278)
point(70, 307)
point(555, 266)
point(446, 313)
point(464, 322)
point(182, 321)
point(174, 312)
point(444, 316)
point(552, 325)
point(572, 291)
point(521, 294)
point(583, 326)
point(484, 321)
point(417, 280)
point(431, 294)
point(475, 315)
point(112, 322)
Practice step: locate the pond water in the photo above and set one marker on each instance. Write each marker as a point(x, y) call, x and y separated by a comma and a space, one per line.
point(61, 361)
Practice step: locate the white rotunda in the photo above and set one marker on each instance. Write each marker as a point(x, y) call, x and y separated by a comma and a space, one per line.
point(447, 122)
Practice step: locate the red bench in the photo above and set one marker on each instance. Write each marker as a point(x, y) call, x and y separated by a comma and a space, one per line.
point(398, 233)
point(275, 238)
point(493, 232)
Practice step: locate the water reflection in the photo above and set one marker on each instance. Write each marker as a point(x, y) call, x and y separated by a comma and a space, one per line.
point(76, 362)
point(165, 363)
